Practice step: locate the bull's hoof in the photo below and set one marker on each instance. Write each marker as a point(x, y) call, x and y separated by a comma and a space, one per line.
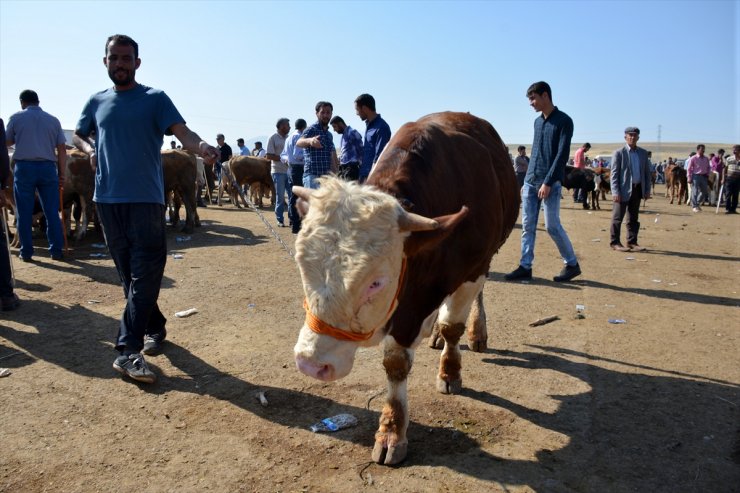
point(478, 346)
point(436, 341)
point(451, 387)
point(394, 454)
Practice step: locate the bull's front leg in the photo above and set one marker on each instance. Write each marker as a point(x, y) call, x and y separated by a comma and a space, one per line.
point(391, 444)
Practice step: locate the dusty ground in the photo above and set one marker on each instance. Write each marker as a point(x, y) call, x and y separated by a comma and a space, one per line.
point(576, 405)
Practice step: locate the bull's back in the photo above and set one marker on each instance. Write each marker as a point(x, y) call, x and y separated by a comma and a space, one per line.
point(435, 166)
point(248, 169)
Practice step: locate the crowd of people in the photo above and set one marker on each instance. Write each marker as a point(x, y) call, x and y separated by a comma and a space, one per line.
point(129, 181)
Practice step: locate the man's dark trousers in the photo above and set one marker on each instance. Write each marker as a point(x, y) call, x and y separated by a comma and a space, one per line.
point(136, 238)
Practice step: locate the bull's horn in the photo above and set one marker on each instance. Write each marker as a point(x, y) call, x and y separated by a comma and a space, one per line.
point(304, 193)
point(408, 221)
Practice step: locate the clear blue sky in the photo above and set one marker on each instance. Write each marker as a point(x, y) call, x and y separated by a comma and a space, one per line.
point(236, 67)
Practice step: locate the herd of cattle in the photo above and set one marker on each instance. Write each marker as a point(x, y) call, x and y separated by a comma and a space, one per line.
point(183, 173)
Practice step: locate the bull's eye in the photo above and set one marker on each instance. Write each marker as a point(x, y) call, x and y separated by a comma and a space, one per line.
point(374, 288)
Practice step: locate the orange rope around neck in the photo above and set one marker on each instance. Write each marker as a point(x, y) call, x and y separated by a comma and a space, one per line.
point(320, 327)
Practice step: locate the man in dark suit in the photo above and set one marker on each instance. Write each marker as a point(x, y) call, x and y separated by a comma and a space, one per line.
point(630, 183)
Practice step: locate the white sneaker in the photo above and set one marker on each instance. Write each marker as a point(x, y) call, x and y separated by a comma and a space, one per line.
point(696, 209)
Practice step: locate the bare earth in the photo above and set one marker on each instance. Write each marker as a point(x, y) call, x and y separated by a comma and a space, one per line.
point(652, 405)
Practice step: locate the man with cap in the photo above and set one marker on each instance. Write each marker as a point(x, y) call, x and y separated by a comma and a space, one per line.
point(630, 183)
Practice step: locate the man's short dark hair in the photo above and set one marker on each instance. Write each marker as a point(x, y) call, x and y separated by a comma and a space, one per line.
point(29, 96)
point(321, 104)
point(521, 148)
point(281, 121)
point(220, 136)
point(540, 88)
point(239, 140)
point(258, 143)
point(122, 39)
point(700, 146)
point(337, 119)
point(721, 151)
point(366, 100)
point(587, 145)
point(300, 124)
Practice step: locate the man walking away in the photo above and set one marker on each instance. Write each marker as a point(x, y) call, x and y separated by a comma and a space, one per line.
point(40, 161)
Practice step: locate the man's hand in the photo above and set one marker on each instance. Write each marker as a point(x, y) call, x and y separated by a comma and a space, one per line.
point(543, 192)
point(646, 196)
point(616, 198)
point(316, 142)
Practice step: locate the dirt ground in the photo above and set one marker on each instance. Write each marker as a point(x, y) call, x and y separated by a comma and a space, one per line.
point(584, 405)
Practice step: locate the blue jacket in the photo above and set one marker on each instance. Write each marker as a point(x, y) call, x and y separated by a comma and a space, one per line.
point(621, 174)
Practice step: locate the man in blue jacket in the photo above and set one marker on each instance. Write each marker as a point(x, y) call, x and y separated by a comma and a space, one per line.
point(630, 183)
point(553, 131)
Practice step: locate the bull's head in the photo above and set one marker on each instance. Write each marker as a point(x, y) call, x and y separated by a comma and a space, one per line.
point(350, 253)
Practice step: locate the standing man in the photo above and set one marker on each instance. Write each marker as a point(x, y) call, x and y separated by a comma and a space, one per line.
point(377, 133)
point(350, 146)
point(292, 155)
point(553, 130)
point(243, 150)
point(696, 173)
point(732, 181)
point(319, 153)
point(717, 169)
point(521, 163)
point(258, 151)
point(8, 299)
point(225, 154)
point(40, 160)
point(130, 121)
point(279, 169)
point(630, 183)
point(579, 162)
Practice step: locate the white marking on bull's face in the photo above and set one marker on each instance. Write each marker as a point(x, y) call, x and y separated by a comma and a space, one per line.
point(349, 252)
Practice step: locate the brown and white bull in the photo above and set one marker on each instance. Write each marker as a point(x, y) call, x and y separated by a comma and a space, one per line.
point(383, 261)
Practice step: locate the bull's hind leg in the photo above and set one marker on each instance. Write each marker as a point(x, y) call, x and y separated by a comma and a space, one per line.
point(451, 324)
point(391, 443)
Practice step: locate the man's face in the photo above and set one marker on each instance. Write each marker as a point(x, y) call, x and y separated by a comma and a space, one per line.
point(700, 150)
point(522, 152)
point(284, 129)
point(338, 128)
point(122, 64)
point(324, 115)
point(220, 141)
point(537, 101)
point(362, 112)
point(631, 139)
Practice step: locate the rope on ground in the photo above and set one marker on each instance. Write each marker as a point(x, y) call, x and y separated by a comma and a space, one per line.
point(267, 223)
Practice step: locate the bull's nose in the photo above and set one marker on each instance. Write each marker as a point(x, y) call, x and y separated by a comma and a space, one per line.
point(319, 371)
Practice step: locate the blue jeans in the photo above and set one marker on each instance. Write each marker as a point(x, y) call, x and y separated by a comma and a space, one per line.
point(30, 176)
point(309, 181)
point(280, 180)
point(296, 179)
point(530, 215)
point(700, 186)
point(136, 237)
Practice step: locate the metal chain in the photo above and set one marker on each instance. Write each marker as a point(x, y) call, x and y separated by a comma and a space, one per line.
point(264, 220)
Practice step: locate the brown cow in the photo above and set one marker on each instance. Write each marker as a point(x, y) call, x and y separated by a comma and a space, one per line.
point(675, 183)
point(180, 170)
point(382, 261)
point(79, 187)
point(249, 169)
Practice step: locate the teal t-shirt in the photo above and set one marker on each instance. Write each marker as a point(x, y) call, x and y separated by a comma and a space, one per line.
point(130, 127)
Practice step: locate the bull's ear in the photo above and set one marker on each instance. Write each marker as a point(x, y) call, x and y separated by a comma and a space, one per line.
point(426, 239)
point(304, 197)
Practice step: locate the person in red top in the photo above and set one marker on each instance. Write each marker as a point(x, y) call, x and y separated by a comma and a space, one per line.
point(579, 162)
point(696, 172)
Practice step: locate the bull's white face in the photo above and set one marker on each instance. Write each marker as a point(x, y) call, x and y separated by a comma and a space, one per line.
point(349, 252)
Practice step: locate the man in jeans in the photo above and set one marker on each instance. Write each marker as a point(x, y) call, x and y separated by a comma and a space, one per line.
point(553, 131)
point(40, 160)
point(697, 170)
point(278, 169)
point(130, 121)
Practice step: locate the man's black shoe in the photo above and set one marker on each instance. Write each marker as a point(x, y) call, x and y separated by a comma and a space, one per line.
point(568, 273)
point(153, 343)
point(521, 273)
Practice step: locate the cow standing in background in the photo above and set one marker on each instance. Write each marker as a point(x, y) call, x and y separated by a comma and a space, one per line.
point(180, 173)
point(383, 262)
point(78, 189)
